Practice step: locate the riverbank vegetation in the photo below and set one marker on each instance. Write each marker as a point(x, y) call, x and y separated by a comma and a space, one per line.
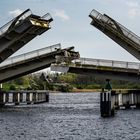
point(64, 82)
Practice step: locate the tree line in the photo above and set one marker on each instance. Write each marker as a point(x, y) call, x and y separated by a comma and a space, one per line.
point(64, 82)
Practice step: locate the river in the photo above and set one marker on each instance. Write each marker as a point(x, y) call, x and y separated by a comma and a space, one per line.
point(68, 116)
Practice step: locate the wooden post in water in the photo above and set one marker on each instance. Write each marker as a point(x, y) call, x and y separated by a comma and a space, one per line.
point(1, 99)
point(16, 98)
point(47, 97)
point(117, 101)
point(34, 97)
point(21, 96)
point(138, 99)
point(28, 98)
point(7, 97)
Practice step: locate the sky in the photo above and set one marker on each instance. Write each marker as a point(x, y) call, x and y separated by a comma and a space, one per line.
point(71, 25)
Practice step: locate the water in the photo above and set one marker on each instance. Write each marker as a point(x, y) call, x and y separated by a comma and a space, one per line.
point(68, 116)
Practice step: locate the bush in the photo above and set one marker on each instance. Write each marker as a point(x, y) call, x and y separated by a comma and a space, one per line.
point(65, 88)
point(79, 87)
point(95, 86)
point(12, 87)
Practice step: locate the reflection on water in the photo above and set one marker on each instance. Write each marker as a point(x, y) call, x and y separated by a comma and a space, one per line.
point(68, 116)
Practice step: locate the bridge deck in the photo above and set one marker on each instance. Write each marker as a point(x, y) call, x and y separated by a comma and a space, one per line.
point(107, 64)
point(117, 32)
point(31, 62)
point(28, 56)
point(103, 68)
point(20, 31)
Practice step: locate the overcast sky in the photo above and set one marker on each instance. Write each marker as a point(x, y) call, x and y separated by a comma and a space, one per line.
point(71, 25)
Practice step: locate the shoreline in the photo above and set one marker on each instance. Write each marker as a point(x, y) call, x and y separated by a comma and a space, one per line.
point(86, 90)
point(92, 90)
point(78, 90)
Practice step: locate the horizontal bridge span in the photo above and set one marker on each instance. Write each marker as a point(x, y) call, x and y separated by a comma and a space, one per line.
point(120, 70)
point(117, 32)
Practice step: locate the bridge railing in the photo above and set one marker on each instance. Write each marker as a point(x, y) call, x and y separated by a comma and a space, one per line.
point(5, 27)
point(104, 19)
point(107, 63)
point(30, 55)
point(47, 17)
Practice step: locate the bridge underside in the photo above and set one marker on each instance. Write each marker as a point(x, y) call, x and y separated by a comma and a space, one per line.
point(107, 69)
point(117, 32)
point(20, 31)
point(25, 68)
point(106, 74)
point(32, 64)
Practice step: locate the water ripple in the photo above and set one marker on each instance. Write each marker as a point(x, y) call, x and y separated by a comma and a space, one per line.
point(68, 116)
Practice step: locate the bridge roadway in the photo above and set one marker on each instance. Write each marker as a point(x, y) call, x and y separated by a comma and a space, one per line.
point(117, 32)
point(27, 63)
point(20, 31)
point(108, 69)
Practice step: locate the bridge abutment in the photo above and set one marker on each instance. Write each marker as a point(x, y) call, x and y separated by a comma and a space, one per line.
point(111, 101)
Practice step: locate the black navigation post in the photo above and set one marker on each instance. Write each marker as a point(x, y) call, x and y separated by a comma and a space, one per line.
point(105, 100)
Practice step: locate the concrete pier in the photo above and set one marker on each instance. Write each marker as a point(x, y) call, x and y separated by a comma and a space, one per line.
point(20, 97)
point(111, 101)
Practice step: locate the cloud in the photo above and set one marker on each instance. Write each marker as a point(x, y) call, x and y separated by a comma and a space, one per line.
point(133, 9)
point(39, 1)
point(132, 4)
point(133, 12)
point(15, 13)
point(61, 14)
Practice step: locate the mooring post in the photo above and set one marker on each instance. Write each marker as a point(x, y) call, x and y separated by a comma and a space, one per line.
point(107, 101)
point(105, 104)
